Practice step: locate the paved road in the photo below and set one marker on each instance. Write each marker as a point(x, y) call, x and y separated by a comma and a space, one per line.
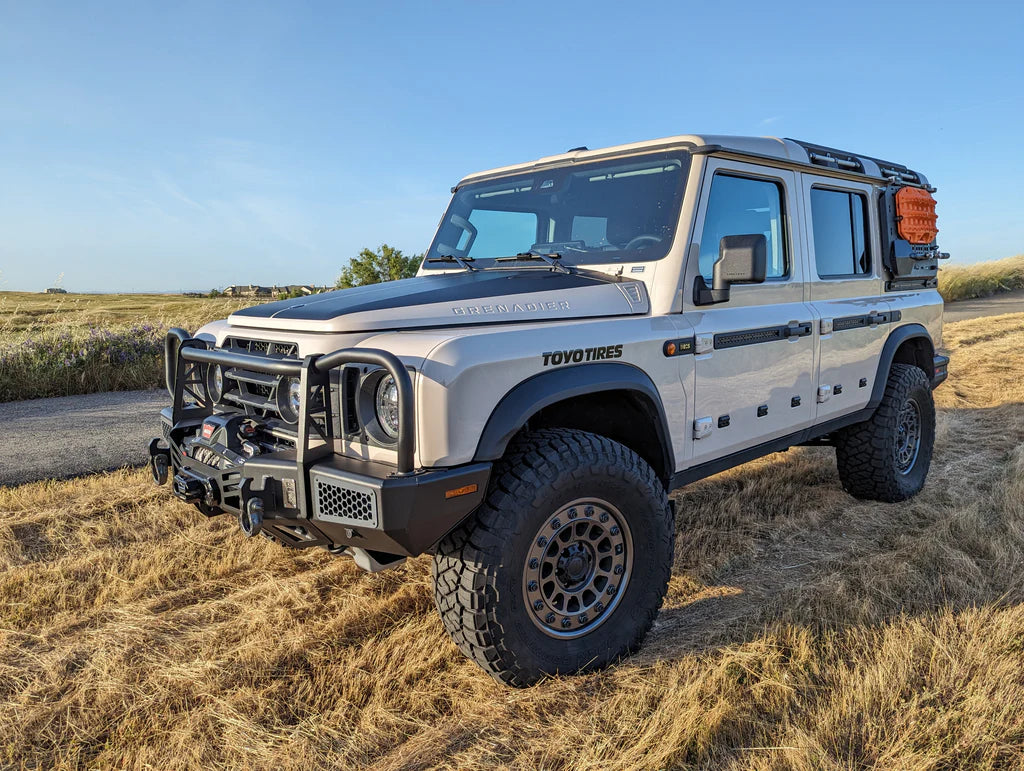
point(1007, 302)
point(73, 435)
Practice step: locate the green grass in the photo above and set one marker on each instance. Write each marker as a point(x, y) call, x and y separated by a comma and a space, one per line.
point(60, 345)
point(964, 282)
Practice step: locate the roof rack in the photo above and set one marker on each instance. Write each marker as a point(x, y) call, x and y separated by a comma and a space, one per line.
point(820, 155)
point(830, 157)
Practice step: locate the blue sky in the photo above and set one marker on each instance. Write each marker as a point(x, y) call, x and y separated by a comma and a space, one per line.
point(162, 146)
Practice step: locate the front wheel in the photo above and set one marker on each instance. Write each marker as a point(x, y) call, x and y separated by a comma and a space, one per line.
point(564, 566)
point(886, 458)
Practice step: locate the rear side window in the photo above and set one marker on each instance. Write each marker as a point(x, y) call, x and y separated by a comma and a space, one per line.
point(744, 206)
point(839, 222)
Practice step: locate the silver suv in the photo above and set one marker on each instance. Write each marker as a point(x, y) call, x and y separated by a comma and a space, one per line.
point(587, 333)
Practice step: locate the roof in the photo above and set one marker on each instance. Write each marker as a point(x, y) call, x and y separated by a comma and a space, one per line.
point(785, 151)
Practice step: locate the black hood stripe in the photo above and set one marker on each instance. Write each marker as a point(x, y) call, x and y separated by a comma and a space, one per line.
point(423, 290)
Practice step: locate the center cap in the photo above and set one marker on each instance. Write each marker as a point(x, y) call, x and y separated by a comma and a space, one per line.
point(574, 564)
point(576, 567)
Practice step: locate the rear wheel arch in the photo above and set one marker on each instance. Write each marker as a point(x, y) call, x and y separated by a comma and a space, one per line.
point(614, 400)
point(907, 344)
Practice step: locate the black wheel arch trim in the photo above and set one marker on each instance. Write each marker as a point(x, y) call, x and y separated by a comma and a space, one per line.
point(896, 338)
point(546, 388)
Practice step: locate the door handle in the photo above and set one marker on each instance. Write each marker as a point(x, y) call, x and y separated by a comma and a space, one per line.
point(797, 329)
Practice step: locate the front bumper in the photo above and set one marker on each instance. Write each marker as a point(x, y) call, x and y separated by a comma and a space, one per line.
point(309, 495)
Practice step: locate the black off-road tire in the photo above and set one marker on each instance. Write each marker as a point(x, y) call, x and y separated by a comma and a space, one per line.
point(481, 570)
point(867, 453)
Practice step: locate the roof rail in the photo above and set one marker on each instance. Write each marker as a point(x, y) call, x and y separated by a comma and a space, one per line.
point(820, 155)
point(830, 157)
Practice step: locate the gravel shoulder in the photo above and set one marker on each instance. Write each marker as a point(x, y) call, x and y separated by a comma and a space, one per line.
point(1005, 302)
point(73, 435)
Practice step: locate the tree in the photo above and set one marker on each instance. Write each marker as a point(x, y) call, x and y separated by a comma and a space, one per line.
point(385, 264)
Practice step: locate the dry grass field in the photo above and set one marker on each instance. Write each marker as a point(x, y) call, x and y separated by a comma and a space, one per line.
point(803, 629)
point(981, 279)
point(60, 345)
point(23, 314)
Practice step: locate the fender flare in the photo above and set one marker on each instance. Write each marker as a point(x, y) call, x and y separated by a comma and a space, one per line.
point(546, 388)
point(896, 338)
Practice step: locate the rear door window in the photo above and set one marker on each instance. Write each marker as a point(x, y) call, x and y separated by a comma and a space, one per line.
point(839, 224)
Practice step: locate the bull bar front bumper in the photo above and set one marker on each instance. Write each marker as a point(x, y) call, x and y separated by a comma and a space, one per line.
point(309, 495)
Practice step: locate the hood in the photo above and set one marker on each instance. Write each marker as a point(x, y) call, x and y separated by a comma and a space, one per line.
point(453, 299)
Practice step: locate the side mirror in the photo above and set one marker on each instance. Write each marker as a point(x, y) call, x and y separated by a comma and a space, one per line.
point(742, 259)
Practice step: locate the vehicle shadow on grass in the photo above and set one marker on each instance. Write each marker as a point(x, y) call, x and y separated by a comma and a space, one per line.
point(780, 542)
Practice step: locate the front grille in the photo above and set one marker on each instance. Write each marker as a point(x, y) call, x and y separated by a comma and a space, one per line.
point(348, 503)
point(261, 347)
point(256, 393)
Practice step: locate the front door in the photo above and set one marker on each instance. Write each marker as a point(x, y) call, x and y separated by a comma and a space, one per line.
point(754, 353)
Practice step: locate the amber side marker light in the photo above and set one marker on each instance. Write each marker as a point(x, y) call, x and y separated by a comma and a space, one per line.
point(465, 490)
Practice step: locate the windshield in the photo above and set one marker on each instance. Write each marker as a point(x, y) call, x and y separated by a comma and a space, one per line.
point(622, 210)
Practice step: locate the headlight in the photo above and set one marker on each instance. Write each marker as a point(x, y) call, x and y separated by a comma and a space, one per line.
point(215, 383)
point(289, 399)
point(387, 406)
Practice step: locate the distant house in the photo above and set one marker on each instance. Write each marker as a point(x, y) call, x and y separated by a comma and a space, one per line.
point(253, 290)
point(292, 289)
point(56, 290)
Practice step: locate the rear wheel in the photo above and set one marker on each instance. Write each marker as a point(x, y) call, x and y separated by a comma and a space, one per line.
point(886, 458)
point(565, 564)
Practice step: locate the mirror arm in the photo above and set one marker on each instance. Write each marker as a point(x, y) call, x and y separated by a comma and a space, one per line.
point(705, 295)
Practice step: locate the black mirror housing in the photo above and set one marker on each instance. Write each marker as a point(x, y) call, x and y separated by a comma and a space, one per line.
point(742, 259)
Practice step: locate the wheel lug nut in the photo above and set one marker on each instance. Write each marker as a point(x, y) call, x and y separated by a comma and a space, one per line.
point(604, 516)
point(532, 586)
point(614, 530)
point(566, 622)
point(573, 513)
point(599, 607)
point(619, 570)
point(550, 618)
point(583, 618)
point(589, 511)
point(542, 541)
point(610, 590)
point(538, 604)
point(555, 524)
point(535, 563)
point(618, 548)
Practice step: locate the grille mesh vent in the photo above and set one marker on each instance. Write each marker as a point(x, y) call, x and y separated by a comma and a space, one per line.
point(339, 502)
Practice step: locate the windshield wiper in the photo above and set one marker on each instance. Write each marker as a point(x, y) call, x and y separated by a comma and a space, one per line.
point(462, 261)
point(551, 259)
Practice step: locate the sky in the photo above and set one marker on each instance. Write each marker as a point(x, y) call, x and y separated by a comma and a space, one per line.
point(155, 146)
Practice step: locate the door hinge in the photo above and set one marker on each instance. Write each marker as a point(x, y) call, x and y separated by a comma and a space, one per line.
point(825, 327)
point(702, 428)
point(704, 344)
point(824, 393)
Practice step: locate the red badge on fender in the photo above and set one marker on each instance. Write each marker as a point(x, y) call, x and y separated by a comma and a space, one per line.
point(208, 429)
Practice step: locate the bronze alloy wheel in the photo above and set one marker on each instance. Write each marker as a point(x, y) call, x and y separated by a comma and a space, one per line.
point(908, 436)
point(577, 568)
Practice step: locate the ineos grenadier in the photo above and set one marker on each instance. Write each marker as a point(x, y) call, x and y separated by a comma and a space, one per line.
point(587, 333)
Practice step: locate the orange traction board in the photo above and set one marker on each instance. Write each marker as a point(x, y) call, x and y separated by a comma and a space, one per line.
point(915, 215)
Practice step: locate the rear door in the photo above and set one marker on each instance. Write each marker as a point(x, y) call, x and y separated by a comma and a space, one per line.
point(845, 290)
point(754, 354)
